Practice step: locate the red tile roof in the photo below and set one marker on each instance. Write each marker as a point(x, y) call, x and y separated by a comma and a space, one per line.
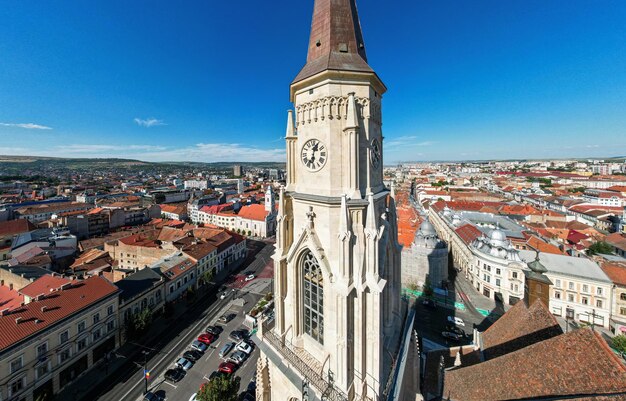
point(142, 239)
point(10, 299)
point(518, 328)
point(616, 272)
point(468, 233)
point(44, 285)
point(253, 212)
point(573, 364)
point(33, 317)
point(14, 227)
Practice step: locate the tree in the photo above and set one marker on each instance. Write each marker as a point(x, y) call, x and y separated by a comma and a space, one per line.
point(619, 343)
point(208, 275)
point(600, 247)
point(139, 323)
point(221, 388)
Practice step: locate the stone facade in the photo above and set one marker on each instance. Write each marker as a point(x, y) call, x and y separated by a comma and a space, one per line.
point(426, 258)
point(338, 313)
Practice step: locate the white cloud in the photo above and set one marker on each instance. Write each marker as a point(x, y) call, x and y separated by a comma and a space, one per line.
point(25, 125)
point(406, 141)
point(217, 152)
point(202, 152)
point(149, 122)
point(110, 150)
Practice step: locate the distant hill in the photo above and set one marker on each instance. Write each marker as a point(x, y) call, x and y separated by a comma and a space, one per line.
point(15, 165)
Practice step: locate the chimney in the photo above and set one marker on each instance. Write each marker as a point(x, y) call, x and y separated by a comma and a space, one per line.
point(11, 286)
point(44, 308)
point(457, 360)
point(18, 320)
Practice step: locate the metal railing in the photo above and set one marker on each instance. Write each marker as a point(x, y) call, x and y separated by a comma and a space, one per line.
point(327, 389)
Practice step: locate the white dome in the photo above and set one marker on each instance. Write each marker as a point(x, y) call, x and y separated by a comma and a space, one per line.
point(427, 228)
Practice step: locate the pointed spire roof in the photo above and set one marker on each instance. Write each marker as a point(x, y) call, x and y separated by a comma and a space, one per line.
point(291, 129)
point(336, 41)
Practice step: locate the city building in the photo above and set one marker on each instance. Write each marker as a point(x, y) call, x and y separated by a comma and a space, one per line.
point(64, 328)
point(139, 291)
point(8, 231)
point(338, 314)
point(526, 356)
point(253, 219)
point(616, 271)
point(180, 273)
point(197, 184)
point(174, 212)
point(426, 258)
point(581, 291)
point(39, 213)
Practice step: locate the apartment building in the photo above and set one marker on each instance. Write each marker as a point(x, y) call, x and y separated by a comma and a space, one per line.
point(63, 329)
point(581, 291)
point(616, 271)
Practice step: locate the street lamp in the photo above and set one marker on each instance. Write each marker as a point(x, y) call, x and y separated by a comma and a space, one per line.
point(146, 372)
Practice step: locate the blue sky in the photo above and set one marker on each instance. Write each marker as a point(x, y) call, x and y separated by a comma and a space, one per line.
point(209, 80)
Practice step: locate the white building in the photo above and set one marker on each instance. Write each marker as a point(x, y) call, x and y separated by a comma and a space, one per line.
point(197, 184)
point(252, 220)
point(580, 288)
point(497, 268)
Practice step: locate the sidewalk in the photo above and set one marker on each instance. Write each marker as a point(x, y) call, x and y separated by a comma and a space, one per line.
point(477, 302)
point(102, 371)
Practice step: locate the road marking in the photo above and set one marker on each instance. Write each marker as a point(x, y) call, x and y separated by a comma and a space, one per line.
point(213, 351)
point(166, 382)
point(125, 396)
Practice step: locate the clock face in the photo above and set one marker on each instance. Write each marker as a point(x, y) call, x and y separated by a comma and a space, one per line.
point(314, 155)
point(375, 153)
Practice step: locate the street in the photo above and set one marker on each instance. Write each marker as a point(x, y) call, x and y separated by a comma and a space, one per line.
point(241, 297)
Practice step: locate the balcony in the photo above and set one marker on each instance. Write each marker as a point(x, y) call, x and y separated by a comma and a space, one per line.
point(303, 363)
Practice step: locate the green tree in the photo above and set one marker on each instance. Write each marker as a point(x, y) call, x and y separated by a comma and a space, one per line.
point(221, 388)
point(600, 247)
point(139, 323)
point(208, 275)
point(619, 343)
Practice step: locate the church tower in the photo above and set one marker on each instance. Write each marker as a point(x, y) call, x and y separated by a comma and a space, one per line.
point(338, 314)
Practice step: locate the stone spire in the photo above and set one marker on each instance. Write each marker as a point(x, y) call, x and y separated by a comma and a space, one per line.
point(336, 41)
point(291, 130)
point(352, 121)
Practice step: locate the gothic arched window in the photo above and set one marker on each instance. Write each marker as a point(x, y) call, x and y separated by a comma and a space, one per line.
point(313, 297)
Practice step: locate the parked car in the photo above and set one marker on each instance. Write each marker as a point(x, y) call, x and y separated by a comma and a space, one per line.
point(192, 355)
point(194, 397)
point(226, 317)
point(250, 277)
point(216, 374)
point(150, 396)
point(174, 375)
point(224, 295)
point(184, 364)
point(236, 335)
point(456, 320)
point(206, 338)
point(215, 330)
point(456, 330)
point(227, 367)
point(226, 349)
point(238, 357)
point(249, 396)
point(451, 336)
point(198, 346)
point(244, 347)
